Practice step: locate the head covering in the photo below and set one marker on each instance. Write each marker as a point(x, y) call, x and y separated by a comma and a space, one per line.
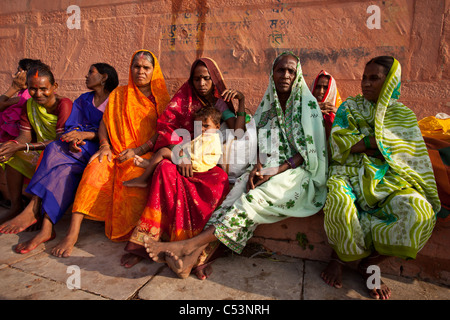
point(300, 130)
point(332, 95)
point(397, 135)
point(130, 117)
point(400, 141)
point(181, 109)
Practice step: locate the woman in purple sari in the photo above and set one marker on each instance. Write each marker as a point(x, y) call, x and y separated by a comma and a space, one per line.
point(56, 179)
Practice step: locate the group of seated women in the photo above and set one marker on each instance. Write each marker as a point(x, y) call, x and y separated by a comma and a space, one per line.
point(115, 155)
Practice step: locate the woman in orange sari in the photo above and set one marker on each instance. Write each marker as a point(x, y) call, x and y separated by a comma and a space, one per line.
point(128, 128)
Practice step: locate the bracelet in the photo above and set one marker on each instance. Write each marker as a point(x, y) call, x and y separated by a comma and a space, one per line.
point(241, 114)
point(367, 142)
point(150, 144)
point(291, 163)
point(28, 148)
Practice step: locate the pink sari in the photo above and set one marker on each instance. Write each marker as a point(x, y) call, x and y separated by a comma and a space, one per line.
point(10, 118)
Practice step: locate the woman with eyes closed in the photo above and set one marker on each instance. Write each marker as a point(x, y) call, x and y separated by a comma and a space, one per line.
point(382, 199)
point(180, 200)
point(128, 128)
point(42, 121)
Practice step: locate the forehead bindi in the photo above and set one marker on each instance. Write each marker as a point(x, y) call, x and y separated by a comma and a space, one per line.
point(39, 82)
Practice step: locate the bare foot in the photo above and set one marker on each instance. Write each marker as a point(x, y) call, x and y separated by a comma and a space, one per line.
point(332, 274)
point(129, 260)
point(181, 267)
point(141, 162)
point(18, 223)
point(204, 273)
point(65, 247)
point(156, 249)
point(381, 293)
point(136, 182)
point(32, 244)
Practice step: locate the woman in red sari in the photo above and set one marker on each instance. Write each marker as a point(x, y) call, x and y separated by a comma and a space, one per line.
point(180, 201)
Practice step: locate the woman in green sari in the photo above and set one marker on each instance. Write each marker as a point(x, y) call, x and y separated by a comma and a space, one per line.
point(42, 121)
point(382, 197)
point(288, 180)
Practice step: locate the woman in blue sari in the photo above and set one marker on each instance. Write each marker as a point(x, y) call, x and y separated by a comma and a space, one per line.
point(56, 179)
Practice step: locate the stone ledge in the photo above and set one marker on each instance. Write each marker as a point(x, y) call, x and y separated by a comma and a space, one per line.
point(432, 263)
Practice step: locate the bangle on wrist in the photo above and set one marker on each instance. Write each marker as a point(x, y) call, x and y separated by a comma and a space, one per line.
point(241, 114)
point(291, 163)
point(367, 142)
point(150, 144)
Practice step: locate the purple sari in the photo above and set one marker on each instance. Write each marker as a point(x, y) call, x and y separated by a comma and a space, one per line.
point(57, 177)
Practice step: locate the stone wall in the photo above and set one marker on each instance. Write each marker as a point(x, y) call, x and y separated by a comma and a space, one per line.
point(243, 36)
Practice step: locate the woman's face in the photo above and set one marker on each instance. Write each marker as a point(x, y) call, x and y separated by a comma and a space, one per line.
point(94, 78)
point(41, 90)
point(321, 88)
point(284, 74)
point(202, 80)
point(142, 72)
point(372, 81)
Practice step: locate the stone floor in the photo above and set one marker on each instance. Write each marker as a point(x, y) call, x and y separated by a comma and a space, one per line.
point(40, 276)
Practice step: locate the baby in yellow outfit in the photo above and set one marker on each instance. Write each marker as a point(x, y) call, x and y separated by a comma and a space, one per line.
point(199, 155)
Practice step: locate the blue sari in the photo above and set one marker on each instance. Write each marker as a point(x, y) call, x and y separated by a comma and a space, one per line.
point(57, 177)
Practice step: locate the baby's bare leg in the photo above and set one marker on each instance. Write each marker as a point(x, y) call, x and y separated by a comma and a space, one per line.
point(142, 181)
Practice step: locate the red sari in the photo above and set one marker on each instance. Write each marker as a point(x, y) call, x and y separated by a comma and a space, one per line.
point(178, 208)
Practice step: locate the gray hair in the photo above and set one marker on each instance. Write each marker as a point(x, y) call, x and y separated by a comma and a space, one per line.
point(147, 55)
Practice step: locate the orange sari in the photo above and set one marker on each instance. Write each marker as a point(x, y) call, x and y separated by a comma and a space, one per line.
point(130, 119)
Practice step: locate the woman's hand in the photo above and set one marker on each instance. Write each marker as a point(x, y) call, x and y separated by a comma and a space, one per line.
point(373, 151)
point(74, 139)
point(231, 94)
point(259, 175)
point(127, 154)
point(327, 107)
point(19, 81)
point(185, 167)
point(7, 150)
point(104, 151)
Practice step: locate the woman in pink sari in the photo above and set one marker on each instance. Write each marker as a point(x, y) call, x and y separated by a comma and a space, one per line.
point(181, 202)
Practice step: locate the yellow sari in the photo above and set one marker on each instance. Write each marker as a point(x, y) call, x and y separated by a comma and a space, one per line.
point(130, 119)
point(43, 124)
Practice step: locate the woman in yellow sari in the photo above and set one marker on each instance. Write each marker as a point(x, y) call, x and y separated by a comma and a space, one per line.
point(128, 128)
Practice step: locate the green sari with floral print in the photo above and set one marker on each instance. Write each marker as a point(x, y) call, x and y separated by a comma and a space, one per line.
point(385, 205)
point(298, 192)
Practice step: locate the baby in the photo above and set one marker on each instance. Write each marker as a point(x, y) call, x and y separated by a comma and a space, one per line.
point(204, 151)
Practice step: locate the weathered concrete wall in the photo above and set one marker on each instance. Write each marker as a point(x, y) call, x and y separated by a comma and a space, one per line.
point(243, 36)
